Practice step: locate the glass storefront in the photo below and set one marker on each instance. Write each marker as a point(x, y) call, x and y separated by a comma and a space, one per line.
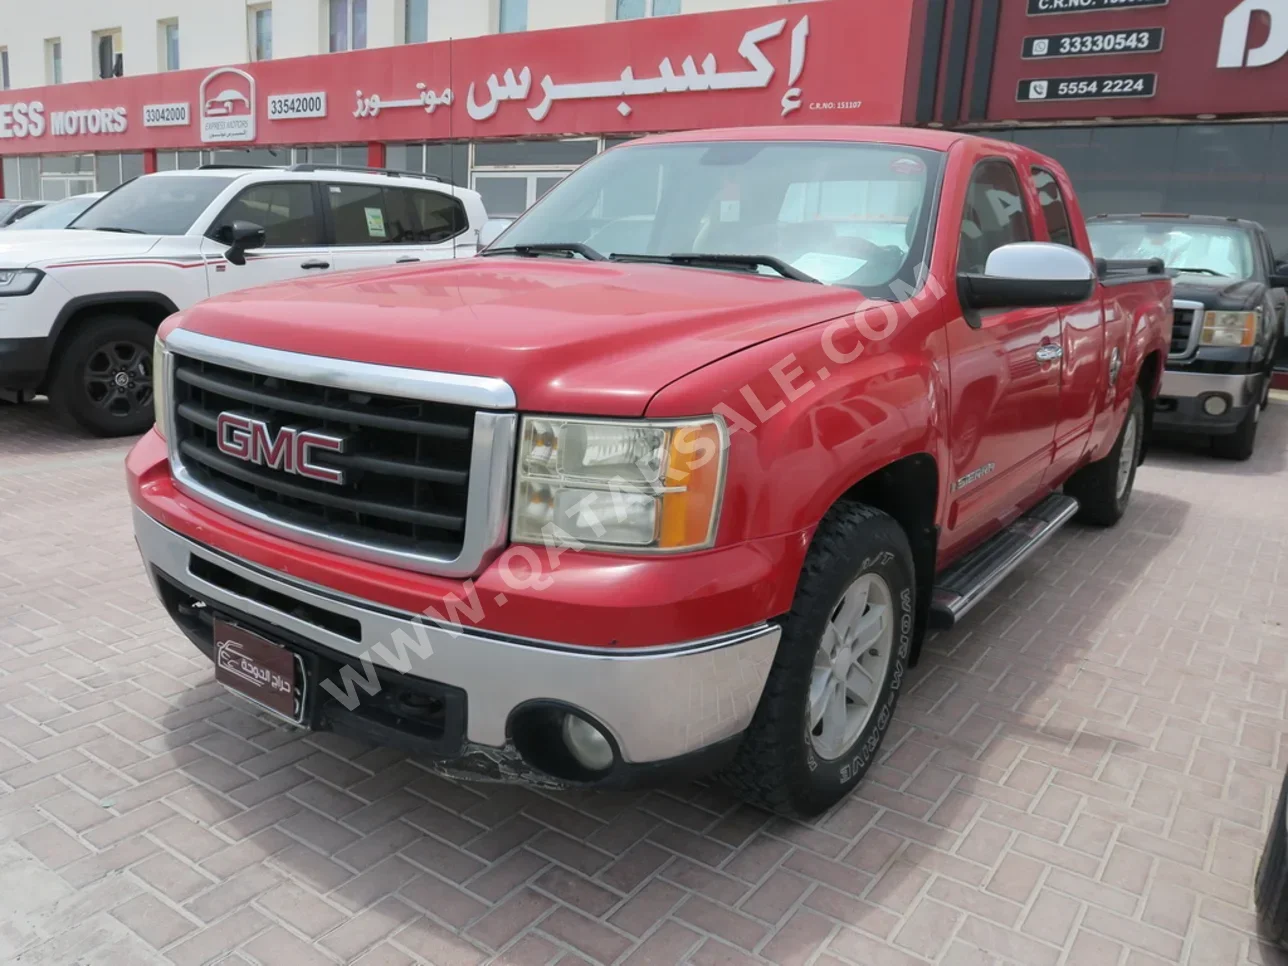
point(1233, 170)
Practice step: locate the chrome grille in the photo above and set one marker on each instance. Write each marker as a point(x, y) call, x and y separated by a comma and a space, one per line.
point(412, 493)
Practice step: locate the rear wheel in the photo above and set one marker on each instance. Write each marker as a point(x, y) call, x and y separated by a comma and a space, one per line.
point(103, 379)
point(1103, 489)
point(1240, 444)
point(835, 679)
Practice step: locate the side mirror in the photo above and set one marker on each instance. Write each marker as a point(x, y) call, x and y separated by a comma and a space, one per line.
point(1029, 275)
point(1280, 277)
point(240, 237)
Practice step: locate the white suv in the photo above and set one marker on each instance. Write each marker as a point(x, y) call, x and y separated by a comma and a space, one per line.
point(79, 307)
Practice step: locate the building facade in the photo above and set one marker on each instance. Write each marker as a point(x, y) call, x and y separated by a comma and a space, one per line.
point(1171, 105)
point(131, 77)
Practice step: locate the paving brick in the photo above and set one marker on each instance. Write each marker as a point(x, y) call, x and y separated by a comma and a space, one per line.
point(1082, 773)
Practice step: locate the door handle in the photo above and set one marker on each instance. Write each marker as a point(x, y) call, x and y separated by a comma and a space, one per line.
point(1049, 352)
point(405, 259)
point(315, 263)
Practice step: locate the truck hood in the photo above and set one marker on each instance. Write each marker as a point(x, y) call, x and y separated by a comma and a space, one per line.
point(21, 249)
point(1230, 294)
point(568, 336)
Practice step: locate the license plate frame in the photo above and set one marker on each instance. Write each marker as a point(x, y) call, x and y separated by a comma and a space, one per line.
point(269, 675)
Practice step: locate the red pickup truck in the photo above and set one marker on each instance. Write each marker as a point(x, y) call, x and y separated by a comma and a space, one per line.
point(671, 479)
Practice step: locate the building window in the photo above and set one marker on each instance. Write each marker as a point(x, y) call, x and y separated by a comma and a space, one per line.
point(415, 21)
point(514, 16)
point(347, 24)
point(635, 9)
point(53, 61)
point(168, 35)
point(108, 58)
point(4, 68)
point(259, 24)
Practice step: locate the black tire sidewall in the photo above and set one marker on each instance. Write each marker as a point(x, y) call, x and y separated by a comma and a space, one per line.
point(1135, 411)
point(68, 388)
point(887, 557)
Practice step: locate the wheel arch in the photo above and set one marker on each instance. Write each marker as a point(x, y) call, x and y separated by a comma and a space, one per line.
point(152, 308)
point(1148, 381)
point(908, 491)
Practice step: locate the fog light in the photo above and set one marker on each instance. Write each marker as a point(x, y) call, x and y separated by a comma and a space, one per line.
point(587, 743)
point(1215, 405)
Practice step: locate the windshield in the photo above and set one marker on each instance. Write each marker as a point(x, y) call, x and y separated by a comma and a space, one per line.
point(154, 205)
point(1198, 248)
point(58, 215)
point(845, 214)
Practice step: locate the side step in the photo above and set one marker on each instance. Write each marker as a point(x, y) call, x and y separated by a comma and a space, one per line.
point(964, 584)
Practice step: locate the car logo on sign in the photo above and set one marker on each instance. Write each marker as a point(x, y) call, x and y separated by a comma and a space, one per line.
point(227, 103)
point(289, 450)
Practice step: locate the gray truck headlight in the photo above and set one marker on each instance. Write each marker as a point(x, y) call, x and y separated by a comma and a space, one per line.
point(1230, 329)
point(19, 281)
point(630, 485)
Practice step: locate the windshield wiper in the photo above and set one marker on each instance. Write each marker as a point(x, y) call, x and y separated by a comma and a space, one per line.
point(122, 231)
point(1196, 271)
point(741, 262)
point(547, 248)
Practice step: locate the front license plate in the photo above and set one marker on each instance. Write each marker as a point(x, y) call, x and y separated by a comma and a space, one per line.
point(256, 668)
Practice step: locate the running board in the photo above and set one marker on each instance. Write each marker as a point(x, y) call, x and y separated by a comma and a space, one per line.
point(964, 584)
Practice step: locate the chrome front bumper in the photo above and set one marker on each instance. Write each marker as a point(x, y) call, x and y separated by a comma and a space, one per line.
point(1241, 388)
point(659, 703)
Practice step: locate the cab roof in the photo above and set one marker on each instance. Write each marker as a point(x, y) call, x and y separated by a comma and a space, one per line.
point(909, 137)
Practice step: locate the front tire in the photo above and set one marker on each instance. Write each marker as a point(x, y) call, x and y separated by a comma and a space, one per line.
point(103, 379)
point(835, 680)
point(1103, 489)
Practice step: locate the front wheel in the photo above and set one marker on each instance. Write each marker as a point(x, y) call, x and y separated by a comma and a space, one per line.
point(1103, 488)
point(103, 380)
point(835, 679)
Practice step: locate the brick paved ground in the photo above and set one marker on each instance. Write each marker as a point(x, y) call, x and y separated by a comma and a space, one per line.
point(1081, 775)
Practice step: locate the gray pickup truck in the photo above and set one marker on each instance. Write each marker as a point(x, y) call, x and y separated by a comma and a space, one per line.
point(1229, 304)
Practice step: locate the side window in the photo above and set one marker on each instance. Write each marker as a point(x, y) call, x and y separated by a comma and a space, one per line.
point(286, 212)
point(400, 217)
point(994, 215)
point(1054, 211)
point(358, 212)
point(441, 216)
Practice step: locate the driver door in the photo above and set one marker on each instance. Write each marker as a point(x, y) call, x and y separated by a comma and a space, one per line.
point(1004, 377)
point(288, 211)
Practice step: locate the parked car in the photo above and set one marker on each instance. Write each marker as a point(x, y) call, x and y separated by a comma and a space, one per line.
point(15, 211)
point(1230, 305)
point(586, 521)
point(492, 230)
point(58, 214)
point(79, 308)
point(1271, 892)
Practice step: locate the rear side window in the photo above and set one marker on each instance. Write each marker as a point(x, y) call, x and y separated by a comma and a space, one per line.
point(994, 215)
point(286, 212)
point(358, 213)
point(1054, 211)
point(441, 216)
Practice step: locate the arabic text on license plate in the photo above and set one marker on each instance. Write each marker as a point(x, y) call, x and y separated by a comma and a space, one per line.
point(256, 668)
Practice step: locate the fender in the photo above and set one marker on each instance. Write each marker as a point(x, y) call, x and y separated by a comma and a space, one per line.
point(1149, 322)
point(813, 412)
point(164, 305)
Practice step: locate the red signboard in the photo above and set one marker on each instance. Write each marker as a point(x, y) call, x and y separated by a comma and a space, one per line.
point(763, 65)
point(1066, 59)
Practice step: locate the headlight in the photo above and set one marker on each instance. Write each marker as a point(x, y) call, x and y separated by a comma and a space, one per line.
point(19, 281)
point(160, 387)
point(1230, 329)
point(637, 485)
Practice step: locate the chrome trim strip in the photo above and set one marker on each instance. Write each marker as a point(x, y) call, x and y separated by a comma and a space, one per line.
point(659, 703)
point(487, 508)
point(1195, 330)
point(477, 392)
